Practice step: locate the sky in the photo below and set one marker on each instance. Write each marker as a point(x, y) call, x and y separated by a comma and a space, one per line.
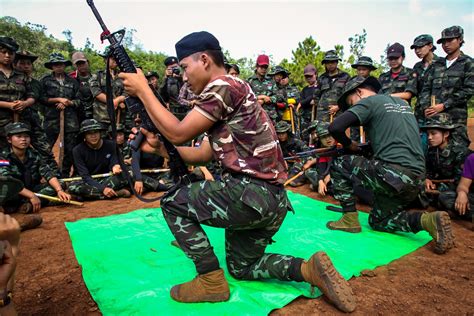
point(249, 28)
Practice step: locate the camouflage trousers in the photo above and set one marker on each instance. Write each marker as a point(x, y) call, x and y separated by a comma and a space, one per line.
point(14, 200)
point(272, 112)
point(303, 120)
point(447, 200)
point(9, 187)
point(89, 192)
point(251, 211)
point(394, 187)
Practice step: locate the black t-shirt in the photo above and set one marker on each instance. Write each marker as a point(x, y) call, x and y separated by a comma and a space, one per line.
point(88, 161)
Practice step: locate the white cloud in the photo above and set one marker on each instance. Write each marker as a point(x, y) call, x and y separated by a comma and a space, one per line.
point(416, 7)
point(468, 18)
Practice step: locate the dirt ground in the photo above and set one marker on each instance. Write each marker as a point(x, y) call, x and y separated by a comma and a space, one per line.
point(49, 279)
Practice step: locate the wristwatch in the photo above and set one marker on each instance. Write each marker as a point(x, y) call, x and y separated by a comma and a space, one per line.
point(5, 298)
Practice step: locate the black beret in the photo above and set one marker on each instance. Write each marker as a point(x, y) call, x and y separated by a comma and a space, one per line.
point(196, 42)
point(170, 60)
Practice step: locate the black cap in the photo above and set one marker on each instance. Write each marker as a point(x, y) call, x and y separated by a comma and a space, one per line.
point(196, 42)
point(24, 54)
point(396, 50)
point(170, 61)
point(9, 43)
point(353, 84)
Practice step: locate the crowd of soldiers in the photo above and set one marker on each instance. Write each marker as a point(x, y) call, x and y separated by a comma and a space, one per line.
point(73, 107)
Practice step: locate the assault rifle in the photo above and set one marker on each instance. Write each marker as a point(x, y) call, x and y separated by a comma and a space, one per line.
point(334, 151)
point(178, 168)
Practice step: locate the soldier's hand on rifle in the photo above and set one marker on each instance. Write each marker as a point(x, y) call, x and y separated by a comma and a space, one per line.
point(151, 143)
point(118, 100)
point(63, 196)
point(429, 185)
point(139, 187)
point(116, 169)
point(109, 192)
point(134, 83)
point(36, 202)
point(333, 109)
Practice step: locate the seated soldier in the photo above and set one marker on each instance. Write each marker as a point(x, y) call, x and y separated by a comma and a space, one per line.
point(26, 164)
point(290, 145)
point(461, 201)
point(97, 156)
point(319, 176)
point(445, 155)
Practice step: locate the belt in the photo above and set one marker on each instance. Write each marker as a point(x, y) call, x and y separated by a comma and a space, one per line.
point(274, 188)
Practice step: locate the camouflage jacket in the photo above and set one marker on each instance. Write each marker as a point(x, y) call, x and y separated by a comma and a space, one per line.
point(69, 89)
point(15, 87)
point(283, 93)
point(446, 163)
point(243, 138)
point(170, 89)
point(292, 146)
point(405, 81)
point(328, 90)
point(97, 86)
point(266, 86)
point(30, 171)
point(421, 76)
point(452, 86)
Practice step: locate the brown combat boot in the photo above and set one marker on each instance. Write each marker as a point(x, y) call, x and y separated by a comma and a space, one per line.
point(349, 222)
point(320, 272)
point(30, 222)
point(438, 224)
point(25, 208)
point(124, 193)
point(209, 287)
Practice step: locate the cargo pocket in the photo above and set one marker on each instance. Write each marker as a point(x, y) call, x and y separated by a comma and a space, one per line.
point(255, 198)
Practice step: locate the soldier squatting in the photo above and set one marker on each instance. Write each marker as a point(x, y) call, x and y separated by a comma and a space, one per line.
point(245, 130)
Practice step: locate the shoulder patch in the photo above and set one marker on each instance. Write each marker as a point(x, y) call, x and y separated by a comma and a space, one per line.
point(4, 162)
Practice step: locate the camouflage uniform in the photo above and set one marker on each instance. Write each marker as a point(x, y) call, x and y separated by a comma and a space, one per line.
point(329, 89)
point(29, 172)
point(9, 187)
point(99, 109)
point(249, 202)
point(397, 169)
point(405, 81)
point(453, 87)
point(171, 87)
point(290, 147)
point(265, 86)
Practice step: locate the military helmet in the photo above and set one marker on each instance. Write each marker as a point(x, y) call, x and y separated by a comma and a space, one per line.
point(17, 128)
point(364, 61)
point(330, 55)
point(322, 129)
point(56, 58)
point(353, 84)
point(282, 127)
point(9, 43)
point(451, 32)
point(439, 121)
point(279, 70)
point(91, 125)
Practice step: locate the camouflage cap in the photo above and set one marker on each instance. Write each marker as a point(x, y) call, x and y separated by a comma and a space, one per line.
point(396, 50)
point(150, 74)
point(451, 32)
point(439, 121)
point(17, 128)
point(422, 40)
point(330, 55)
point(312, 126)
point(279, 70)
point(322, 129)
point(9, 43)
point(91, 125)
point(364, 61)
point(353, 84)
point(24, 54)
point(56, 58)
point(282, 127)
point(77, 57)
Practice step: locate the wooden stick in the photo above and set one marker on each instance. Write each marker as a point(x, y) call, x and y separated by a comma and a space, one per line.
point(292, 119)
point(293, 178)
point(108, 174)
point(443, 181)
point(61, 140)
point(331, 118)
point(313, 111)
point(16, 117)
point(362, 134)
point(117, 119)
point(433, 100)
point(55, 199)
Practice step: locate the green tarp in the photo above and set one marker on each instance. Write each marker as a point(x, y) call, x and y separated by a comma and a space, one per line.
point(129, 265)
